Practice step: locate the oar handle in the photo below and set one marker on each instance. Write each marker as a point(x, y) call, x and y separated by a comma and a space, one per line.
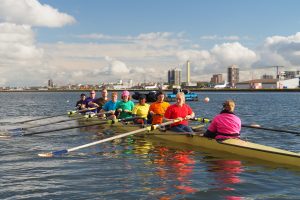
point(201, 119)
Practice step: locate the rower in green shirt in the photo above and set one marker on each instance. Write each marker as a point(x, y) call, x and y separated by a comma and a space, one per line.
point(125, 107)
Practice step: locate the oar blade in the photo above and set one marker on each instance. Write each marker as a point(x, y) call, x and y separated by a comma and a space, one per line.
point(53, 154)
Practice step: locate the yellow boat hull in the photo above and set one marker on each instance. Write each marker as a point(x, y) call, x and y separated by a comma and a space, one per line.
point(232, 146)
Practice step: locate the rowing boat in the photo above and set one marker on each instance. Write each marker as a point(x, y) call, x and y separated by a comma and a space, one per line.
point(233, 146)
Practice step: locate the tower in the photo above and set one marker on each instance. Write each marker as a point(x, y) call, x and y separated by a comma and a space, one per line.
point(174, 77)
point(233, 75)
point(188, 74)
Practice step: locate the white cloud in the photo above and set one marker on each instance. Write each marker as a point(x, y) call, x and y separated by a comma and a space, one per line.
point(17, 46)
point(31, 12)
point(280, 50)
point(227, 54)
point(216, 37)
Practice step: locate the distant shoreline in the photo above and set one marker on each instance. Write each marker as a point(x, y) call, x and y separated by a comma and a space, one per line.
point(192, 90)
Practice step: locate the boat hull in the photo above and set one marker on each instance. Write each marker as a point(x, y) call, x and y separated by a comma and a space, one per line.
point(232, 146)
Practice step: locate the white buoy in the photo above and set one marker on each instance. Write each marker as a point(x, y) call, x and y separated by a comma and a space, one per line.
point(206, 99)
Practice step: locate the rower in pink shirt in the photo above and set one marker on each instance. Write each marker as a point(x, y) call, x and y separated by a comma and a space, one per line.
point(226, 124)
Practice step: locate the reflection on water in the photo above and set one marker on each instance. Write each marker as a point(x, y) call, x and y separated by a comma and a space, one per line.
point(226, 174)
point(137, 168)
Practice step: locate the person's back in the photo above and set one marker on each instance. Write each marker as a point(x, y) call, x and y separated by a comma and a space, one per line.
point(226, 124)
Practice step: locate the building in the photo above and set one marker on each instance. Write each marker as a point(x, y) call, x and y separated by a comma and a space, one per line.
point(233, 75)
point(216, 79)
point(258, 84)
point(50, 83)
point(266, 76)
point(290, 74)
point(269, 84)
point(289, 83)
point(188, 73)
point(174, 77)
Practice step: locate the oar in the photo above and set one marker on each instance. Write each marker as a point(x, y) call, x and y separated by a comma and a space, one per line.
point(66, 151)
point(71, 127)
point(47, 117)
point(81, 111)
point(204, 120)
point(39, 125)
point(53, 130)
point(271, 129)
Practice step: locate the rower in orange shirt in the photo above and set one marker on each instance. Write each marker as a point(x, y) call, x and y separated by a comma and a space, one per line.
point(158, 108)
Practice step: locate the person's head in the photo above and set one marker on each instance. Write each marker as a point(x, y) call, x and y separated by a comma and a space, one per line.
point(125, 95)
point(229, 105)
point(82, 96)
point(104, 93)
point(114, 96)
point(160, 96)
point(142, 99)
point(93, 94)
point(180, 98)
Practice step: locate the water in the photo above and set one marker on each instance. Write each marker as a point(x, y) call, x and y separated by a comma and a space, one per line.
point(141, 169)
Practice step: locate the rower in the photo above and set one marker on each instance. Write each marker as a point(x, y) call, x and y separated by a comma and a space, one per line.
point(90, 102)
point(226, 124)
point(124, 108)
point(110, 107)
point(80, 105)
point(102, 100)
point(158, 108)
point(181, 111)
point(141, 110)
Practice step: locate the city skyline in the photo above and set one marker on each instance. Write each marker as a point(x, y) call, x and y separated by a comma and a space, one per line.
point(102, 41)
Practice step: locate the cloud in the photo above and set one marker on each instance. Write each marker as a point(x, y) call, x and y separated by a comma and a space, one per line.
point(31, 12)
point(216, 37)
point(280, 50)
point(22, 61)
point(227, 54)
point(17, 46)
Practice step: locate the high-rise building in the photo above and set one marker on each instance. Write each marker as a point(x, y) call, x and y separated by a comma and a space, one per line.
point(174, 76)
point(188, 73)
point(216, 78)
point(233, 75)
point(50, 83)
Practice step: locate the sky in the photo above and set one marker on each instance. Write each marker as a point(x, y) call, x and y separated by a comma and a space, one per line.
point(95, 41)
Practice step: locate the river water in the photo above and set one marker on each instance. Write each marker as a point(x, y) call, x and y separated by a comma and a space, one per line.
point(141, 169)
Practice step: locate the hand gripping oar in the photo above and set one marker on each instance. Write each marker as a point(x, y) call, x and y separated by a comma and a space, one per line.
point(204, 120)
point(66, 151)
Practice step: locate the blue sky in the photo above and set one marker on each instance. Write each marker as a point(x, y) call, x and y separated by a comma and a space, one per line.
point(93, 41)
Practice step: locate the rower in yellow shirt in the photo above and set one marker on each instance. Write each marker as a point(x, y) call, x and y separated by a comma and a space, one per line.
point(141, 110)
